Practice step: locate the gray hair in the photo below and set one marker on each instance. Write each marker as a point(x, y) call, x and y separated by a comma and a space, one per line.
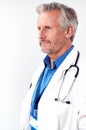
point(68, 15)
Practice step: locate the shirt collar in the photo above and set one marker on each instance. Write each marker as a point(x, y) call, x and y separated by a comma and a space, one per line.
point(57, 62)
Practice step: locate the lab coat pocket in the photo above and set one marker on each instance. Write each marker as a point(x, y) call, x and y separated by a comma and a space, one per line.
point(63, 112)
point(62, 108)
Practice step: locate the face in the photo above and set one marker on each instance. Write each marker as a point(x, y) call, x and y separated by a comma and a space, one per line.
point(52, 38)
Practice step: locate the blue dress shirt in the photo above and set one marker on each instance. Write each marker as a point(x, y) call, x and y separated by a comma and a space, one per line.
point(44, 79)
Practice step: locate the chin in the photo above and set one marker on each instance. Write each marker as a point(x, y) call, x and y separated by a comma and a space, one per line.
point(46, 52)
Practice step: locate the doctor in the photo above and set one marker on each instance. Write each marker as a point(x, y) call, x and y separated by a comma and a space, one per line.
point(56, 99)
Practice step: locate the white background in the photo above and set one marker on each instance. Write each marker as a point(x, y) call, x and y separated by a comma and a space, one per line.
point(20, 53)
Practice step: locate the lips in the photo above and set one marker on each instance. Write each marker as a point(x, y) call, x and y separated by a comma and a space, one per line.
point(44, 42)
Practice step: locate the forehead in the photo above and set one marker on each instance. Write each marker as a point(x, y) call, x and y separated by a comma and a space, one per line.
point(50, 17)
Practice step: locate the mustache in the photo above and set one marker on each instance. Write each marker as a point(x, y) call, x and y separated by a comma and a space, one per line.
point(44, 40)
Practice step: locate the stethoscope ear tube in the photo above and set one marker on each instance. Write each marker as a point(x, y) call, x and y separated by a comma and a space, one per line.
point(77, 71)
point(67, 102)
point(75, 65)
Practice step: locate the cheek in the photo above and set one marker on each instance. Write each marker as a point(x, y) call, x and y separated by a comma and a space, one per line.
point(56, 38)
point(57, 43)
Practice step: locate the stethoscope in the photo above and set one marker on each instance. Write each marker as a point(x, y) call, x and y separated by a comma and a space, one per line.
point(71, 86)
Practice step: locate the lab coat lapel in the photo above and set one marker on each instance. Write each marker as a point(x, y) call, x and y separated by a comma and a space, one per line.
point(70, 59)
point(37, 75)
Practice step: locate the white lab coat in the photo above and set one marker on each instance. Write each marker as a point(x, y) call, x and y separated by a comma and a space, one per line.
point(54, 115)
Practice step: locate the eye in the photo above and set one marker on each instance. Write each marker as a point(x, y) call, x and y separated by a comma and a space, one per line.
point(48, 27)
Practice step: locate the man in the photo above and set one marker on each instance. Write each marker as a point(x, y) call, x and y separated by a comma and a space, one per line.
point(56, 99)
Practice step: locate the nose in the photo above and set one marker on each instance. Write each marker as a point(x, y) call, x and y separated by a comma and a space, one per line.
point(41, 34)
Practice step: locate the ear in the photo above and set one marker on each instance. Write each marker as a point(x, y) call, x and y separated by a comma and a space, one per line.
point(69, 31)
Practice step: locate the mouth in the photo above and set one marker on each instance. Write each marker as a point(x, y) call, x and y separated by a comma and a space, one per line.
point(44, 42)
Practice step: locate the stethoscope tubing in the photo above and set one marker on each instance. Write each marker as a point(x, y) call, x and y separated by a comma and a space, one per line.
point(71, 86)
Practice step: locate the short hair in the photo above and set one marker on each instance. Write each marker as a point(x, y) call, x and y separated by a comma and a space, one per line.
point(68, 15)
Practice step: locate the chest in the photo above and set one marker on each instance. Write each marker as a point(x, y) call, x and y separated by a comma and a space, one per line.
point(61, 97)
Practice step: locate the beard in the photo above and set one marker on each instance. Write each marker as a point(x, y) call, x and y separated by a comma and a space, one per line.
point(51, 48)
point(45, 45)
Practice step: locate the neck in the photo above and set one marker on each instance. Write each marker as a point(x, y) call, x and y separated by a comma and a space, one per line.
point(56, 55)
